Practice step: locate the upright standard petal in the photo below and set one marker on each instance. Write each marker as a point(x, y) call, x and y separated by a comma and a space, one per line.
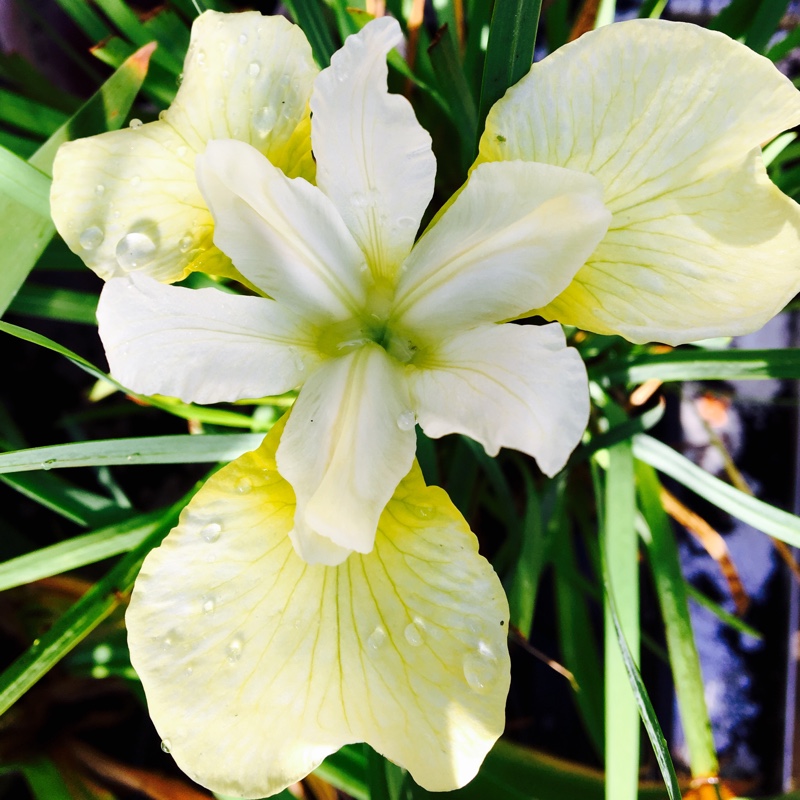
point(284, 235)
point(257, 665)
point(348, 443)
point(127, 201)
point(512, 240)
point(515, 386)
point(667, 117)
point(374, 160)
point(204, 345)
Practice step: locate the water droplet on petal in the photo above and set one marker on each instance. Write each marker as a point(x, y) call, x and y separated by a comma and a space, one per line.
point(242, 38)
point(182, 151)
point(244, 485)
point(135, 250)
point(376, 638)
point(48, 464)
point(165, 745)
point(136, 123)
point(235, 650)
point(179, 79)
point(264, 120)
point(201, 58)
point(423, 512)
point(91, 238)
point(211, 531)
point(135, 180)
point(185, 243)
point(209, 604)
point(480, 669)
point(406, 222)
point(341, 74)
point(406, 421)
point(413, 635)
point(99, 190)
point(253, 69)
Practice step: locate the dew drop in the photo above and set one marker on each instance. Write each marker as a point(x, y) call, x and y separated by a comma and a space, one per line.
point(182, 151)
point(480, 669)
point(413, 635)
point(179, 79)
point(162, 115)
point(48, 464)
point(211, 531)
point(135, 180)
point(406, 421)
point(91, 238)
point(376, 638)
point(209, 604)
point(406, 222)
point(264, 120)
point(423, 512)
point(189, 670)
point(242, 38)
point(165, 745)
point(185, 243)
point(341, 75)
point(135, 250)
point(244, 485)
point(235, 650)
point(253, 69)
point(99, 190)
point(136, 123)
point(201, 58)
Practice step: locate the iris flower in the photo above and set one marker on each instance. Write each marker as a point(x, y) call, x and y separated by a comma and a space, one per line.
point(315, 591)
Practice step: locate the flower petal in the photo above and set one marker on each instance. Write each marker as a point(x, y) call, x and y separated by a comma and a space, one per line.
point(346, 447)
point(201, 345)
point(515, 386)
point(665, 115)
point(127, 200)
point(374, 160)
point(283, 234)
point(513, 239)
point(257, 665)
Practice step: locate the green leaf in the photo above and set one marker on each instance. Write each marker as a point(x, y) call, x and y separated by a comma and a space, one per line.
point(48, 302)
point(180, 449)
point(82, 618)
point(347, 771)
point(690, 365)
point(28, 115)
point(731, 620)
point(44, 780)
point(78, 551)
point(671, 589)
point(755, 512)
point(86, 18)
point(309, 15)
point(785, 46)
point(621, 572)
point(509, 52)
point(764, 24)
point(24, 184)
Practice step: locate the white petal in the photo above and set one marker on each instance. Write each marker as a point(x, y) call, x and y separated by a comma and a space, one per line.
point(346, 446)
point(512, 240)
point(127, 201)
point(257, 665)
point(515, 386)
point(374, 160)
point(282, 234)
point(203, 345)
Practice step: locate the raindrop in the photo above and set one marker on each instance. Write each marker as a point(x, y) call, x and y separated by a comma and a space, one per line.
point(244, 485)
point(341, 75)
point(165, 745)
point(242, 38)
point(99, 190)
point(264, 120)
point(253, 69)
point(136, 124)
point(480, 669)
point(182, 151)
point(185, 243)
point(413, 635)
point(235, 650)
point(48, 464)
point(211, 531)
point(135, 180)
point(201, 58)
point(376, 638)
point(423, 512)
point(135, 250)
point(406, 421)
point(179, 79)
point(406, 222)
point(92, 237)
point(208, 604)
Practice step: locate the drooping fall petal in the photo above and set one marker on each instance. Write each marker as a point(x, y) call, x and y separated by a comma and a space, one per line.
point(237, 639)
point(667, 117)
point(348, 442)
point(203, 345)
point(374, 160)
point(127, 201)
point(515, 386)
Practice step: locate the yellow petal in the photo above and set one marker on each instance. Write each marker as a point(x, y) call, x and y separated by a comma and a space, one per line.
point(257, 665)
point(127, 201)
point(667, 117)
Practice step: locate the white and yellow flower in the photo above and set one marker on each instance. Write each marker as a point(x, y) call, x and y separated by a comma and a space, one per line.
point(670, 118)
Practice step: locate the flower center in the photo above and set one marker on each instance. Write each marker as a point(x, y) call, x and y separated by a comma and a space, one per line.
point(372, 325)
